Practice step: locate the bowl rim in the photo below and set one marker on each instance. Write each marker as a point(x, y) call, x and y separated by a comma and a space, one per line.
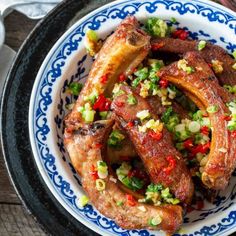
point(44, 65)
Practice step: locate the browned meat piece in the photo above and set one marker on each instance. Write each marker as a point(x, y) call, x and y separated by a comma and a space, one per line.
point(209, 53)
point(159, 109)
point(157, 155)
point(121, 53)
point(203, 85)
point(84, 147)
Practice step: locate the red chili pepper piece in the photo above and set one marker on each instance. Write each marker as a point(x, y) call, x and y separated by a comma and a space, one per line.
point(210, 65)
point(233, 134)
point(227, 118)
point(98, 145)
point(201, 148)
point(104, 79)
point(94, 173)
point(102, 103)
point(204, 130)
point(156, 46)
point(122, 77)
point(130, 200)
point(188, 144)
point(130, 124)
point(155, 135)
point(180, 33)
point(171, 165)
point(120, 104)
point(163, 83)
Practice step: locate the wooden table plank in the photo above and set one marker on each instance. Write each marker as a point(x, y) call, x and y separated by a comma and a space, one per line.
point(14, 219)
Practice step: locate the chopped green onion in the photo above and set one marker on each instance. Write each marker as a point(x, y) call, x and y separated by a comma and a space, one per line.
point(119, 203)
point(142, 115)
point(88, 116)
point(102, 169)
point(92, 97)
point(92, 35)
point(155, 221)
point(132, 183)
point(83, 201)
point(234, 54)
point(75, 88)
point(156, 27)
point(154, 187)
point(212, 109)
point(217, 66)
point(173, 201)
point(165, 193)
point(183, 65)
point(103, 114)
point(141, 74)
point(234, 66)
point(115, 138)
point(201, 45)
point(173, 20)
point(131, 100)
point(100, 184)
point(231, 89)
point(194, 127)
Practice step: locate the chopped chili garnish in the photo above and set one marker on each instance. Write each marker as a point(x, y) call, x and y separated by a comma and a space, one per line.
point(102, 103)
point(104, 79)
point(98, 145)
point(155, 135)
point(210, 65)
point(94, 173)
point(180, 33)
point(227, 118)
point(188, 144)
point(201, 148)
point(130, 124)
point(156, 46)
point(171, 165)
point(122, 77)
point(204, 130)
point(233, 134)
point(130, 200)
point(120, 104)
point(163, 83)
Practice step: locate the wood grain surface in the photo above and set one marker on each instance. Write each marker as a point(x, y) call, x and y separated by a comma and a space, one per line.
point(14, 219)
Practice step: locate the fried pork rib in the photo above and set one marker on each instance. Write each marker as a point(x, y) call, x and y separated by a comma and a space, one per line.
point(85, 143)
point(123, 51)
point(205, 89)
point(209, 53)
point(154, 153)
point(82, 145)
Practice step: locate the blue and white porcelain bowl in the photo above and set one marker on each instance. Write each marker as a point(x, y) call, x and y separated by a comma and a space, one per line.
point(67, 61)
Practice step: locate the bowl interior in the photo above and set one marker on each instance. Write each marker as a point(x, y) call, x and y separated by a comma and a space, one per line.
point(69, 62)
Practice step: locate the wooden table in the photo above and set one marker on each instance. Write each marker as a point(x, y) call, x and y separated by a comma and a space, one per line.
point(14, 219)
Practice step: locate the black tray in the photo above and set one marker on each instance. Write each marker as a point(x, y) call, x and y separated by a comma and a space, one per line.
point(18, 155)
